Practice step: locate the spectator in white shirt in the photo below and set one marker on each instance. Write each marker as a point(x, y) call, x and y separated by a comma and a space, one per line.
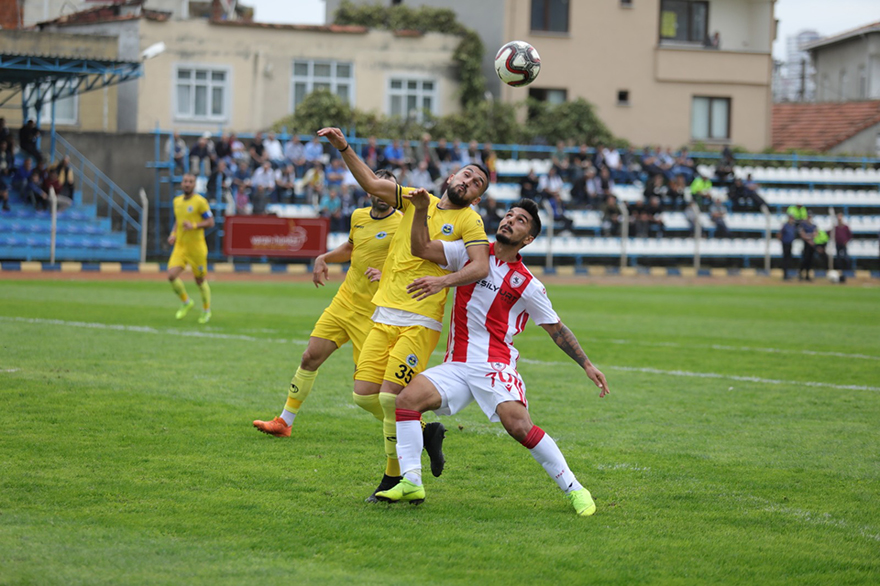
point(262, 186)
point(294, 152)
point(550, 185)
point(274, 151)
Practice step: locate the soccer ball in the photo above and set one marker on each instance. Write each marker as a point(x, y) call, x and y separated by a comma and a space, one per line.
point(517, 63)
point(833, 276)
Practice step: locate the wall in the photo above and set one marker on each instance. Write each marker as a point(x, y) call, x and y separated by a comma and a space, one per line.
point(610, 48)
point(849, 55)
point(486, 17)
point(260, 59)
point(866, 142)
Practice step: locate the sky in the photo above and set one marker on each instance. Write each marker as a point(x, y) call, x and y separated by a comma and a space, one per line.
point(828, 17)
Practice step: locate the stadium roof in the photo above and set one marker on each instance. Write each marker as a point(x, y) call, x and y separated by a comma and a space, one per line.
point(46, 78)
point(821, 126)
point(874, 27)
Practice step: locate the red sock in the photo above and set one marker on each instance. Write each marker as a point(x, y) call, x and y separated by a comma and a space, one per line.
point(536, 434)
point(407, 415)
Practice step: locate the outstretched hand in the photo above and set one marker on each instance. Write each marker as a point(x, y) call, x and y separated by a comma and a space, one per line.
point(335, 136)
point(598, 378)
point(424, 287)
point(420, 198)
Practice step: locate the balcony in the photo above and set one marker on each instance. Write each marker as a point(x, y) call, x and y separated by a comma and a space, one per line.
point(680, 64)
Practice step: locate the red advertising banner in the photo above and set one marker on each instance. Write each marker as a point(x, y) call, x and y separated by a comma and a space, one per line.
point(274, 236)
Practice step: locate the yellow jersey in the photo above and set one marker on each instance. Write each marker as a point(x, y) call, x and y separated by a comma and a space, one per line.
point(193, 210)
point(370, 238)
point(402, 268)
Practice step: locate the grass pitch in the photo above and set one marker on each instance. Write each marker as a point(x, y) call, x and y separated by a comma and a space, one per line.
point(739, 445)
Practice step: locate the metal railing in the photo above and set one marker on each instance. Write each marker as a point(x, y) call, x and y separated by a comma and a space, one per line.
point(99, 190)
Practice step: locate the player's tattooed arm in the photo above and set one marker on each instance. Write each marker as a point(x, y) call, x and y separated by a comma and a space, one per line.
point(566, 340)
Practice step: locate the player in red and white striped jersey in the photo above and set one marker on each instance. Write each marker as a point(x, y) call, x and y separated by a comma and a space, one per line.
point(481, 359)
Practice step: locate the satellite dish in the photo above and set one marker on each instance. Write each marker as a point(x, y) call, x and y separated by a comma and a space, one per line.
point(153, 51)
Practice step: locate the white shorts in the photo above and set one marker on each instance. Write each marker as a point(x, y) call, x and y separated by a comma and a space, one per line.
point(487, 383)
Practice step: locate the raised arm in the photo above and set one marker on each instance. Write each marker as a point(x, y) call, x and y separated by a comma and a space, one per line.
point(321, 271)
point(384, 189)
point(420, 242)
point(565, 339)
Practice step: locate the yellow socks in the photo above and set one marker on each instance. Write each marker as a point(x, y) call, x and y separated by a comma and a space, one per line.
point(180, 289)
point(370, 404)
point(389, 432)
point(300, 387)
point(205, 290)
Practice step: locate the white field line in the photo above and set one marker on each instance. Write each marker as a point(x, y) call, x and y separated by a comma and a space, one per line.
point(740, 349)
point(245, 338)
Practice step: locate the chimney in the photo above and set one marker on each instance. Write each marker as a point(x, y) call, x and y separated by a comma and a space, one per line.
point(217, 11)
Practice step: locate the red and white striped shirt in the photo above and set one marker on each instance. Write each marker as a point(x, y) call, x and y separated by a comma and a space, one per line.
point(486, 315)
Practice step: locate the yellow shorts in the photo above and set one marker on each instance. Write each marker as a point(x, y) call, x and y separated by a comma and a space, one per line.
point(396, 353)
point(196, 259)
point(340, 325)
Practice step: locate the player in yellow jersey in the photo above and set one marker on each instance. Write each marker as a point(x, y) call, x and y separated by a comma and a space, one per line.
point(408, 325)
point(192, 215)
point(348, 317)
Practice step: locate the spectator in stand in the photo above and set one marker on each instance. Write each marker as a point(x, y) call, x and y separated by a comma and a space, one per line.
point(420, 177)
point(393, 154)
point(610, 217)
point(820, 241)
point(559, 215)
point(490, 160)
point(718, 213)
point(550, 185)
point(33, 191)
point(241, 185)
point(675, 194)
point(314, 152)
point(219, 182)
point(560, 160)
point(5, 135)
point(273, 149)
point(335, 173)
point(842, 236)
point(579, 159)
point(314, 183)
point(372, 154)
point(175, 150)
point(285, 184)
point(714, 42)
point(51, 182)
point(457, 153)
point(22, 175)
point(614, 164)
point(631, 164)
point(605, 183)
point(655, 187)
point(592, 187)
point(295, 154)
point(724, 171)
point(27, 140)
point(202, 155)
point(473, 154)
point(444, 157)
point(599, 156)
point(649, 163)
point(257, 152)
point(807, 232)
point(7, 160)
point(666, 161)
point(4, 192)
point(685, 166)
point(787, 235)
point(331, 207)
point(491, 213)
point(262, 186)
point(239, 151)
point(223, 149)
point(799, 212)
point(349, 204)
point(528, 185)
point(638, 219)
point(65, 177)
point(654, 216)
point(425, 152)
point(701, 190)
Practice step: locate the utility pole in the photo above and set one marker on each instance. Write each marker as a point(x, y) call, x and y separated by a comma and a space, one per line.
point(803, 91)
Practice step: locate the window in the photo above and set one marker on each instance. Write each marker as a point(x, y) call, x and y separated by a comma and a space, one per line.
point(710, 118)
point(626, 3)
point(684, 21)
point(842, 93)
point(335, 76)
point(550, 15)
point(66, 109)
point(201, 93)
point(623, 97)
point(411, 97)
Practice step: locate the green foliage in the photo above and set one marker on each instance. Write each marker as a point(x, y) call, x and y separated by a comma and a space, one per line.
point(467, 57)
point(319, 109)
point(486, 120)
point(570, 120)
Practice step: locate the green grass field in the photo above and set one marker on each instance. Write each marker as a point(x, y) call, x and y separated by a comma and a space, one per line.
point(740, 444)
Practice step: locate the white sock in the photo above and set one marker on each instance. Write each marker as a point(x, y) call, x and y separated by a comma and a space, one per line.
point(547, 453)
point(409, 450)
point(288, 417)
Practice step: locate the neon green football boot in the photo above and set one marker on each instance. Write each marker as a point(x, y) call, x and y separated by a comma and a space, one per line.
point(582, 501)
point(404, 492)
point(205, 317)
point(184, 309)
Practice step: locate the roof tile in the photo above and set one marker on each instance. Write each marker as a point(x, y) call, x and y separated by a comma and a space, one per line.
point(821, 126)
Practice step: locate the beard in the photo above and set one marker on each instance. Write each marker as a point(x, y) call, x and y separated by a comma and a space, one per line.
point(505, 239)
point(454, 194)
point(380, 206)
